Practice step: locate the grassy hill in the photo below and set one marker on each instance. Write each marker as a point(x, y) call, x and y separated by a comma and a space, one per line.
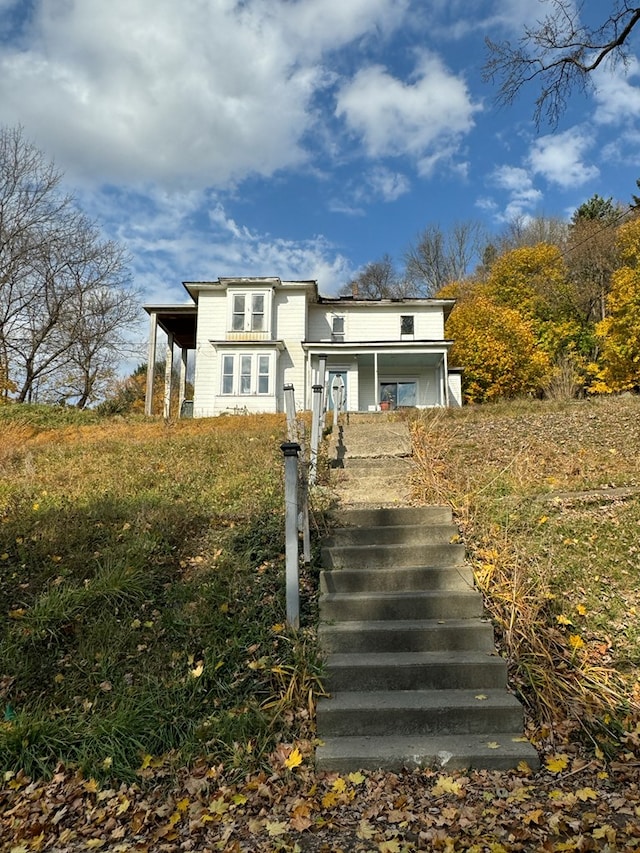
point(142, 585)
point(548, 498)
point(153, 698)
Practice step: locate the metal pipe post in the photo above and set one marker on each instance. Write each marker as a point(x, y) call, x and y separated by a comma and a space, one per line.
point(290, 408)
point(316, 429)
point(290, 450)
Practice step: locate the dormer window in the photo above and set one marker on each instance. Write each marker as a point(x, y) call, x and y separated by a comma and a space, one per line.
point(337, 328)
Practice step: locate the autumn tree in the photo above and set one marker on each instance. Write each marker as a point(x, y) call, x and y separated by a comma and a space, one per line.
point(592, 255)
point(559, 53)
point(619, 331)
point(497, 349)
point(65, 296)
point(531, 280)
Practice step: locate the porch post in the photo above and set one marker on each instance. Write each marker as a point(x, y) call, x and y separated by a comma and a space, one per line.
point(321, 380)
point(445, 371)
point(151, 362)
point(375, 381)
point(183, 379)
point(168, 370)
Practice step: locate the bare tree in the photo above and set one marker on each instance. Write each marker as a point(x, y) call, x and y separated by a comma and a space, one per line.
point(438, 258)
point(526, 231)
point(559, 53)
point(65, 296)
point(378, 280)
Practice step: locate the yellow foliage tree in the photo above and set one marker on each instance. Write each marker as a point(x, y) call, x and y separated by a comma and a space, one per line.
point(533, 280)
point(619, 332)
point(497, 349)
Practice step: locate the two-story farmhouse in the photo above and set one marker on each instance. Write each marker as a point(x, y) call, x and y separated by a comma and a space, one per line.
point(253, 336)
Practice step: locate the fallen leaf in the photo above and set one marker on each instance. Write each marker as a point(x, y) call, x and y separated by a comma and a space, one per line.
point(294, 759)
point(556, 763)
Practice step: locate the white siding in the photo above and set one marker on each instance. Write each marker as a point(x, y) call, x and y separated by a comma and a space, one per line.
point(290, 310)
point(212, 314)
point(377, 322)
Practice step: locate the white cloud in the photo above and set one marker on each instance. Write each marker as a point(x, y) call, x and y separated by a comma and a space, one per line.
point(189, 94)
point(385, 184)
point(617, 96)
point(422, 118)
point(523, 196)
point(559, 158)
point(162, 238)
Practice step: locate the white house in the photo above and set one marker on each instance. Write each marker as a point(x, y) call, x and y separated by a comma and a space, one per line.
point(253, 336)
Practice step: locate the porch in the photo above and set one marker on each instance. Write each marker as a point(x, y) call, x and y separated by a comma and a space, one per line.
point(382, 376)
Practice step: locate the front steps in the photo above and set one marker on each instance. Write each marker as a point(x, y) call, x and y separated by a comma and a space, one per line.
point(411, 663)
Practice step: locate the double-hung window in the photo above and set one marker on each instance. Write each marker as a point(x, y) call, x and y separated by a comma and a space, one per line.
point(246, 374)
point(337, 328)
point(248, 312)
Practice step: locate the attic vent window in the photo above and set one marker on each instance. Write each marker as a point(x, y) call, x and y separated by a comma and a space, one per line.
point(337, 328)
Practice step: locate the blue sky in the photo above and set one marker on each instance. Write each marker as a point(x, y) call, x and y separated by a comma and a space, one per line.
point(297, 138)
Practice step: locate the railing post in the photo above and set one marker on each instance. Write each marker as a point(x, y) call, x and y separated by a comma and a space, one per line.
point(290, 450)
point(290, 408)
point(316, 418)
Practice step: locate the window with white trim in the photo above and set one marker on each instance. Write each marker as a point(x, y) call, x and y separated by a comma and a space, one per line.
point(248, 312)
point(244, 374)
point(227, 374)
point(406, 324)
point(337, 328)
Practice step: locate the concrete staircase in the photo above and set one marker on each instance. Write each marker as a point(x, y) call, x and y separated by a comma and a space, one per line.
point(411, 665)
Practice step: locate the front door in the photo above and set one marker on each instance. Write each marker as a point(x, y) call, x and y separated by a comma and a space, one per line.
point(330, 385)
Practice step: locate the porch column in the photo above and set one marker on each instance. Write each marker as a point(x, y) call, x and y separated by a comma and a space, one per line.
point(184, 353)
point(321, 379)
point(445, 371)
point(375, 381)
point(168, 370)
point(151, 363)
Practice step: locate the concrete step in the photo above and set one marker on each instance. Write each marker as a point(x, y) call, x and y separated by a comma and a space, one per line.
point(395, 516)
point(391, 580)
point(442, 604)
point(374, 464)
point(407, 636)
point(441, 670)
point(497, 751)
point(389, 556)
point(418, 712)
point(413, 534)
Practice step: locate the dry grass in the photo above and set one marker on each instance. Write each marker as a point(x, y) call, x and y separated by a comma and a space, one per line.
point(548, 497)
point(142, 592)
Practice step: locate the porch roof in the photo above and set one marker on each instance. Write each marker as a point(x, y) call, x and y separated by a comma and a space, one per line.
point(366, 347)
point(177, 320)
